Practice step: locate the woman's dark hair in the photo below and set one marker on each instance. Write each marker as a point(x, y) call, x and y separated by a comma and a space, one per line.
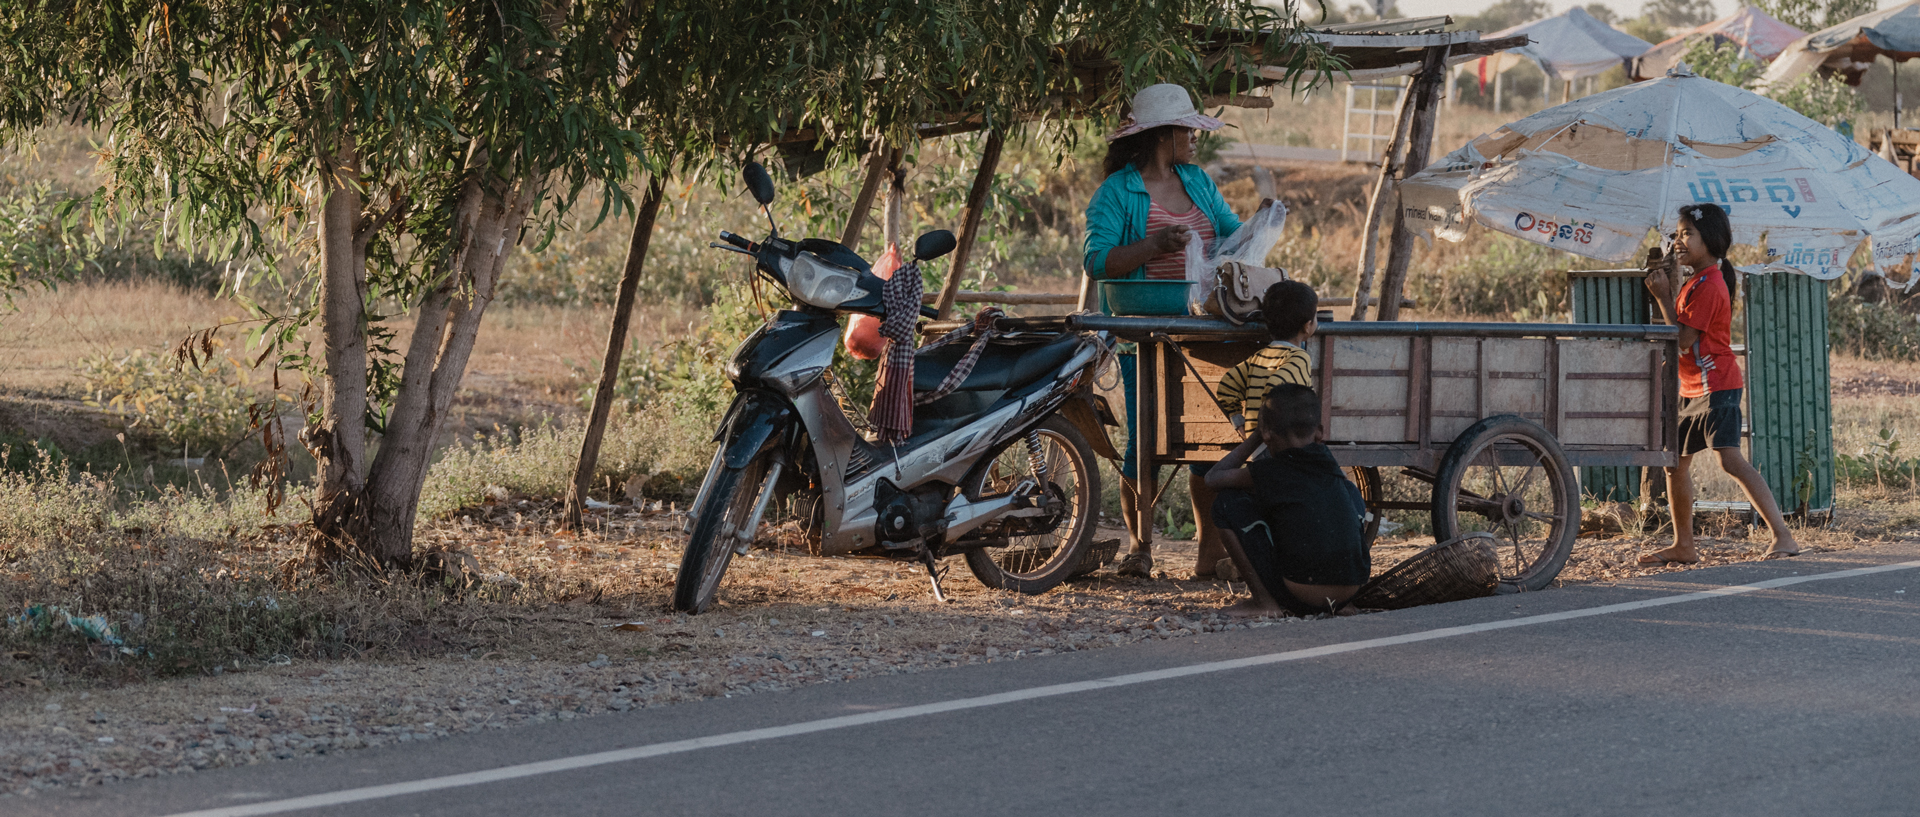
point(1136, 149)
point(1715, 230)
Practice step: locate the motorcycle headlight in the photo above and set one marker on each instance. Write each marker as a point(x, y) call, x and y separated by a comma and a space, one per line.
point(816, 282)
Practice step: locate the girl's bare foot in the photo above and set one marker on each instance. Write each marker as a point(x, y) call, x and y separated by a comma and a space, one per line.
point(1252, 609)
point(1685, 555)
point(1781, 550)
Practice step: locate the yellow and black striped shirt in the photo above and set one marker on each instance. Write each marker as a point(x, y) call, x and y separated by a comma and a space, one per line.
point(1245, 385)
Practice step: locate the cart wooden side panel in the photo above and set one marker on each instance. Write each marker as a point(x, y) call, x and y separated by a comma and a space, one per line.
point(1401, 399)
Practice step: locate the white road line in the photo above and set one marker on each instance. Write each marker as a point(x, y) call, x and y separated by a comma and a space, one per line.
point(922, 710)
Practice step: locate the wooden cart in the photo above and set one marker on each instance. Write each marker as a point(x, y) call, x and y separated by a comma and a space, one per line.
point(1493, 416)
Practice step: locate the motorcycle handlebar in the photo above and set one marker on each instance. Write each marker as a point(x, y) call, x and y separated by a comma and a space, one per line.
point(738, 241)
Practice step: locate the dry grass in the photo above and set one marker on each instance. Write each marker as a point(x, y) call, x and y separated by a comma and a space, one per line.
point(529, 361)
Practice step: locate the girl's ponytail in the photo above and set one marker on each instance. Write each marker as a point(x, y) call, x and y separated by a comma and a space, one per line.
point(1715, 230)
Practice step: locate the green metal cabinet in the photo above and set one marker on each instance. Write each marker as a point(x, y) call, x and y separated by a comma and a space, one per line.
point(1789, 395)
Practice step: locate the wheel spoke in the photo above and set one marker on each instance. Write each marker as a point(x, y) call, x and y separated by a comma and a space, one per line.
point(1533, 469)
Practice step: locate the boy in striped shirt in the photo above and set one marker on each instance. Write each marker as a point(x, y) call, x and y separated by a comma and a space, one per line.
point(1290, 309)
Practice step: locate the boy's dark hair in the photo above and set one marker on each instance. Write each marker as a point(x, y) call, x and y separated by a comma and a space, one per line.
point(1291, 409)
point(1715, 230)
point(1287, 307)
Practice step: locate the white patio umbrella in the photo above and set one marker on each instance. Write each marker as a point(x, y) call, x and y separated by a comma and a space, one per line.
point(1591, 177)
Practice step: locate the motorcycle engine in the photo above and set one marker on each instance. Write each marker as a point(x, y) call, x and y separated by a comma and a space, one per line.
point(909, 518)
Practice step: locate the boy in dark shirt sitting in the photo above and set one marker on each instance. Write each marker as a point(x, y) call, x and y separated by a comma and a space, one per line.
point(1290, 520)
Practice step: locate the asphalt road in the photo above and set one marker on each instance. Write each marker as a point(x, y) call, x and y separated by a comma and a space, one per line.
point(1694, 694)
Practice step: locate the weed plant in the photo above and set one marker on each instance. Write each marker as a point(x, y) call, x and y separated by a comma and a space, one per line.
point(1880, 464)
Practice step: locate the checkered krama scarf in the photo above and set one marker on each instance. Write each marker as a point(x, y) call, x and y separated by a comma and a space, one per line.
point(892, 411)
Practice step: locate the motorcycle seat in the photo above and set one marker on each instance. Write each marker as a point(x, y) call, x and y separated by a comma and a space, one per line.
point(1002, 366)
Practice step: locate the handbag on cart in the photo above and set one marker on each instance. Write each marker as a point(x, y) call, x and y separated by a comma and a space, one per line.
point(1238, 290)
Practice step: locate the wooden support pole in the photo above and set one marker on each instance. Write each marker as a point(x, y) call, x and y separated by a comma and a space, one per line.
point(893, 221)
point(970, 226)
point(877, 162)
point(616, 344)
point(1370, 229)
point(1426, 94)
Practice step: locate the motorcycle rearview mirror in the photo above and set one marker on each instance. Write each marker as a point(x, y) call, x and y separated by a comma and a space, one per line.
point(932, 245)
point(761, 186)
point(759, 182)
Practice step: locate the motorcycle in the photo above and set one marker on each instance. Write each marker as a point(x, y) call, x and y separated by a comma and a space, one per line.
point(999, 470)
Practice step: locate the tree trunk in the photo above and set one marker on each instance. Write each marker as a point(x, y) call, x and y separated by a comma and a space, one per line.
point(489, 214)
point(616, 345)
point(339, 442)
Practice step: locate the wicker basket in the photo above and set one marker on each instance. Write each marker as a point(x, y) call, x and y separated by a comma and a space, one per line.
point(1464, 567)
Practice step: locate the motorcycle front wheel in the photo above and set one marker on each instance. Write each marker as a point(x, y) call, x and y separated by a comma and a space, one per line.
point(724, 511)
point(1040, 552)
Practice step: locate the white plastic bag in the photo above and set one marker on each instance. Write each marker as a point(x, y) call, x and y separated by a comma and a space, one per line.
point(1248, 245)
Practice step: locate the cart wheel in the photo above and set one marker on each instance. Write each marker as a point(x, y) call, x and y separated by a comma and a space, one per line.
point(1509, 477)
point(1368, 479)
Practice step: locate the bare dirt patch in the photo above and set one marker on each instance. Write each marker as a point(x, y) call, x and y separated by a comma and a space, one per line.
point(1857, 378)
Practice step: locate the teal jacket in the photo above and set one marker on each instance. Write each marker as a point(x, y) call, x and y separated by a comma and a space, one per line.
point(1117, 216)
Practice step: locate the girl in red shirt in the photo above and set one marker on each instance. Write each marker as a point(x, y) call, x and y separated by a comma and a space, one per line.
point(1710, 380)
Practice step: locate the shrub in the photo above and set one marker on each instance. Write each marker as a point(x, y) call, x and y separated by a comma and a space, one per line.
point(1509, 277)
point(1875, 331)
point(174, 406)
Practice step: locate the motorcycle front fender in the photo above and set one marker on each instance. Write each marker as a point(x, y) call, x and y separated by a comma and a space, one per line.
point(759, 420)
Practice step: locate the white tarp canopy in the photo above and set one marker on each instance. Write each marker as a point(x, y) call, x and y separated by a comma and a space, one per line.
point(1592, 176)
point(1848, 49)
point(1567, 47)
point(1755, 31)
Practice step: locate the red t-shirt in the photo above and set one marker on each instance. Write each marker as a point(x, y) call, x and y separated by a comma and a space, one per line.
point(1709, 365)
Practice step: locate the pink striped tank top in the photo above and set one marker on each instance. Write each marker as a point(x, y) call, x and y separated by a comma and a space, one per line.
point(1173, 265)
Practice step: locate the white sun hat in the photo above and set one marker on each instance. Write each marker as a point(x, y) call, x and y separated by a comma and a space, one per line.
point(1164, 104)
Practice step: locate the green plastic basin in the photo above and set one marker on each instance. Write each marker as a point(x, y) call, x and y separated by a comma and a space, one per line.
point(1145, 297)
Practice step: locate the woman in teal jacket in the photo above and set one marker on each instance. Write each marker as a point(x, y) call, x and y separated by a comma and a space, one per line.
point(1138, 225)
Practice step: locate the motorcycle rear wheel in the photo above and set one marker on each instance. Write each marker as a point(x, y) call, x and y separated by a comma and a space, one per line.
point(725, 510)
point(1036, 562)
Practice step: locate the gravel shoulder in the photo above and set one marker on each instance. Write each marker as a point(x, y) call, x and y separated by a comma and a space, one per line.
point(785, 620)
